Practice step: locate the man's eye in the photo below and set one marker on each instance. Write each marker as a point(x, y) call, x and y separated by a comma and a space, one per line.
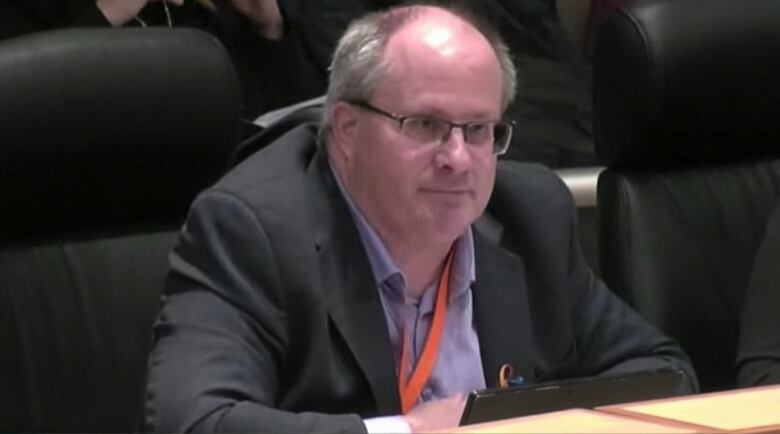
point(480, 132)
point(425, 123)
point(478, 128)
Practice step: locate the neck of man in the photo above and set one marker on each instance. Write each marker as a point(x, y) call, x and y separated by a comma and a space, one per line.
point(420, 265)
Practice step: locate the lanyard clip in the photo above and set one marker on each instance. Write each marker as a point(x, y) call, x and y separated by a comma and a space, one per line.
point(505, 378)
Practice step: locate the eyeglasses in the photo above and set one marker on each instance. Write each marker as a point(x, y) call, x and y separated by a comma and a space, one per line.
point(428, 129)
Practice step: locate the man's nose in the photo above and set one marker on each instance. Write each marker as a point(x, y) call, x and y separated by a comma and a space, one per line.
point(453, 153)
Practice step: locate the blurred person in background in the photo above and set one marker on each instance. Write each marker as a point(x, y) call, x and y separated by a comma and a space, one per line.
point(273, 66)
point(282, 51)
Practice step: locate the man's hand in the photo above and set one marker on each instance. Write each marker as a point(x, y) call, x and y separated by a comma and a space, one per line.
point(264, 14)
point(119, 12)
point(436, 415)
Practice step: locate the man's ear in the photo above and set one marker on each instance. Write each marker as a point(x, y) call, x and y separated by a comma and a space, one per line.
point(344, 128)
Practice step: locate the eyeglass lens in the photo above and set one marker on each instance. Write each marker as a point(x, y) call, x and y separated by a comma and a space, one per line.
point(427, 130)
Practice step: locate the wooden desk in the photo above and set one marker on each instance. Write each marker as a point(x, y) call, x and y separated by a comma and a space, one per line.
point(754, 410)
point(575, 421)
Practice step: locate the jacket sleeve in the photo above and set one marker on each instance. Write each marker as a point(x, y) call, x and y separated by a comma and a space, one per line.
point(587, 329)
point(611, 337)
point(758, 354)
point(221, 335)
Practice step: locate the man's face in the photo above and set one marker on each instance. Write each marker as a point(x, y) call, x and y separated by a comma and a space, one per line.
point(416, 192)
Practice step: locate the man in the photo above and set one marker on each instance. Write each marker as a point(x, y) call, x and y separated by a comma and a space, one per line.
point(319, 288)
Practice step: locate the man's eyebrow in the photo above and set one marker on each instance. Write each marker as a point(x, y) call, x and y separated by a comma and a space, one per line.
point(440, 114)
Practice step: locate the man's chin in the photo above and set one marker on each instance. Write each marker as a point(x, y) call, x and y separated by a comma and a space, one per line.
point(450, 229)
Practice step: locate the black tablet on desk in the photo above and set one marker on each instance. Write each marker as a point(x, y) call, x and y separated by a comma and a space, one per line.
point(515, 401)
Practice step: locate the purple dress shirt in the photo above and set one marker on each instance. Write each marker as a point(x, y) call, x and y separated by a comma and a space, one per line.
point(458, 367)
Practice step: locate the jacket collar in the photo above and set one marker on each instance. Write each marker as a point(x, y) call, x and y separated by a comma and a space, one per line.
point(353, 301)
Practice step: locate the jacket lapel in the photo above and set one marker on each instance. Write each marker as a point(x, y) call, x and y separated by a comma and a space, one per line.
point(353, 299)
point(501, 311)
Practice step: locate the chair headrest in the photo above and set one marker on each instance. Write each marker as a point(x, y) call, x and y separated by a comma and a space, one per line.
point(111, 126)
point(687, 80)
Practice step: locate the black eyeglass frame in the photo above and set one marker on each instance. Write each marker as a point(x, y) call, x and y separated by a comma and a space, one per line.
point(401, 120)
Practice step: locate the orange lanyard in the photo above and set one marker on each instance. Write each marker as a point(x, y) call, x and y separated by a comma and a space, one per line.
point(409, 391)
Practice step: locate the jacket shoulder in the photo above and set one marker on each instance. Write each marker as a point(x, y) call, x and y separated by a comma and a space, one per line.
point(531, 190)
point(273, 175)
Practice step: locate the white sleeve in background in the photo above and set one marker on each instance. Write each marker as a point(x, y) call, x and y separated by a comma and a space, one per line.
point(387, 424)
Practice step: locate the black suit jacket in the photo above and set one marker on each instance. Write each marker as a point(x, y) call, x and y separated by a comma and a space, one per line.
point(758, 356)
point(271, 320)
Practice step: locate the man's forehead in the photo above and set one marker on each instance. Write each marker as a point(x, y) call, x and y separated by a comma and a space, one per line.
point(437, 33)
point(432, 53)
point(438, 37)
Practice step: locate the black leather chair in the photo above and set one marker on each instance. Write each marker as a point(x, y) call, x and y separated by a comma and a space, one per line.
point(687, 113)
point(106, 136)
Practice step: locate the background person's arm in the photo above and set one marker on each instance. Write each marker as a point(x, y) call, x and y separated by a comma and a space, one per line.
point(21, 17)
point(119, 12)
point(264, 15)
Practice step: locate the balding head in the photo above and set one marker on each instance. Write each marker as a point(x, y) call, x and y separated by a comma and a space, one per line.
point(359, 62)
point(438, 30)
point(415, 108)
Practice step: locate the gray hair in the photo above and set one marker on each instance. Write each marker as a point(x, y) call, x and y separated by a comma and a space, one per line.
point(359, 65)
